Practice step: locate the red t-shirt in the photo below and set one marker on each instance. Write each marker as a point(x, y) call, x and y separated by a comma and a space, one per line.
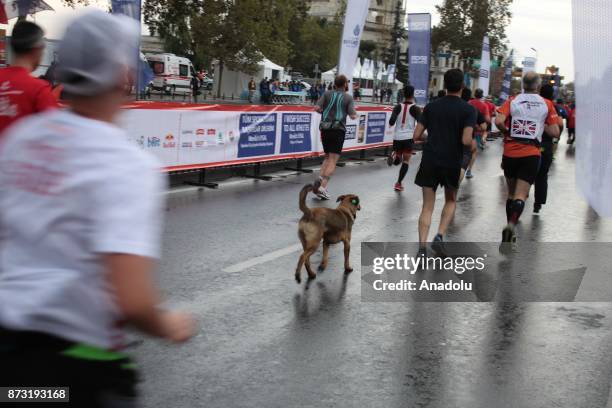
point(492, 108)
point(483, 109)
point(21, 95)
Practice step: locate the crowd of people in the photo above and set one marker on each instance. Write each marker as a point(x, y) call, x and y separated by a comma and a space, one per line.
point(80, 239)
point(452, 129)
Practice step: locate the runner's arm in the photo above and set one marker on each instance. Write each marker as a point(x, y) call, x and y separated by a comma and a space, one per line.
point(352, 113)
point(419, 133)
point(466, 139)
point(137, 297)
point(415, 112)
point(396, 111)
point(552, 122)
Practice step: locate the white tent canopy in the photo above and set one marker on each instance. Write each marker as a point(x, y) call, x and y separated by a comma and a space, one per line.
point(235, 83)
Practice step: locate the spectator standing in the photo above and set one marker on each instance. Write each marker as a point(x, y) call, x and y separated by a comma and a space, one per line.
point(252, 89)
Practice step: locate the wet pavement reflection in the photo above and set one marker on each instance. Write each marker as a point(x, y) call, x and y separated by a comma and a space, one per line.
point(265, 341)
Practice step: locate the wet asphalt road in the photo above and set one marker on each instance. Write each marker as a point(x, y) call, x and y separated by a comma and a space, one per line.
point(264, 341)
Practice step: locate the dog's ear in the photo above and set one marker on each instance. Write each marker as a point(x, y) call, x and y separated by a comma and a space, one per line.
point(342, 197)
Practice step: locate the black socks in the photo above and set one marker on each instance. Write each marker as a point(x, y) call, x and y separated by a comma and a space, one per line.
point(508, 209)
point(402, 173)
point(517, 209)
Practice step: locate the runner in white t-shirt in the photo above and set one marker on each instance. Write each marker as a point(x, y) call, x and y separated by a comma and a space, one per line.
point(80, 224)
point(404, 117)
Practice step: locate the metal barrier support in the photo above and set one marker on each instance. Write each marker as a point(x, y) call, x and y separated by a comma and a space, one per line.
point(202, 181)
point(257, 174)
point(299, 167)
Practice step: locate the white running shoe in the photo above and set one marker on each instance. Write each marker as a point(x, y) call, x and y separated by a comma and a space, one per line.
point(323, 194)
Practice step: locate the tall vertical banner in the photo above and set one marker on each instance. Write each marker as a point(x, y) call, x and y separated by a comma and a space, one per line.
point(354, 21)
point(507, 84)
point(592, 29)
point(132, 9)
point(485, 66)
point(419, 35)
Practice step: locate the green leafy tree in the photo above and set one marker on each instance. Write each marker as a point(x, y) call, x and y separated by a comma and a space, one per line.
point(464, 23)
point(236, 33)
point(398, 34)
point(316, 42)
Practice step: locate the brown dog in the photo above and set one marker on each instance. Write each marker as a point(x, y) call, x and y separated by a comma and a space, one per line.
point(330, 225)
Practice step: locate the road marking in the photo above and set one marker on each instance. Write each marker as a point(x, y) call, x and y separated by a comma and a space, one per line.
point(270, 256)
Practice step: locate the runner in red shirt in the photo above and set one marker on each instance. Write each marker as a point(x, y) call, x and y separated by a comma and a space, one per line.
point(523, 120)
point(492, 111)
point(20, 93)
point(479, 134)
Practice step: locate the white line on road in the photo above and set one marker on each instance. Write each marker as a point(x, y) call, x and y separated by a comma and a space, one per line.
point(270, 256)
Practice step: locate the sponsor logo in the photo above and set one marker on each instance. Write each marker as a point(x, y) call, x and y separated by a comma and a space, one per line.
point(187, 132)
point(231, 136)
point(153, 142)
point(419, 59)
point(200, 143)
point(418, 26)
point(187, 145)
point(420, 93)
point(484, 73)
point(200, 132)
point(140, 142)
point(211, 132)
point(169, 142)
point(356, 30)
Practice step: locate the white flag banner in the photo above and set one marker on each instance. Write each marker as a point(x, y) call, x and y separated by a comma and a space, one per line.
point(485, 66)
point(354, 20)
point(592, 31)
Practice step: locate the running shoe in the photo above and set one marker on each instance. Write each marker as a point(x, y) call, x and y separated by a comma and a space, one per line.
point(391, 159)
point(398, 187)
point(323, 194)
point(468, 174)
point(536, 208)
point(438, 247)
point(507, 233)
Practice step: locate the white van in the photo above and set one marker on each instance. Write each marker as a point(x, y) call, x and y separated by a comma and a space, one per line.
point(172, 74)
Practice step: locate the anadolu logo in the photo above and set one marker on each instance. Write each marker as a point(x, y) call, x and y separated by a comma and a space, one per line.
point(200, 132)
point(356, 30)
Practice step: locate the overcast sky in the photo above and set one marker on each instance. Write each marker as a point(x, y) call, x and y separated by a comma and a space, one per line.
point(545, 25)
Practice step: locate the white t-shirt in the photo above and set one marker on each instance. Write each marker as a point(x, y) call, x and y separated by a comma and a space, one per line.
point(71, 190)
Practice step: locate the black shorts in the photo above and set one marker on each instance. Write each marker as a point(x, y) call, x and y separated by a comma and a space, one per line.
point(333, 140)
point(32, 359)
point(403, 146)
point(467, 156)
point(524, 168)
point(430, 175)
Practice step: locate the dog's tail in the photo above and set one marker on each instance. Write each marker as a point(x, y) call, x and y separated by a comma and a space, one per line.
point(307, 188)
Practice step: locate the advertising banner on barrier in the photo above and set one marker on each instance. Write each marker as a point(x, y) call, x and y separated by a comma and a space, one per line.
point(198, 136)
point(419, 35)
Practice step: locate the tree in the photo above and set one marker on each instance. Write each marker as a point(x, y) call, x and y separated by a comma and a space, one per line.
point(398, 34)
point(236, 33)
point(368, 49)
point(315, 42)
point(464, 23)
